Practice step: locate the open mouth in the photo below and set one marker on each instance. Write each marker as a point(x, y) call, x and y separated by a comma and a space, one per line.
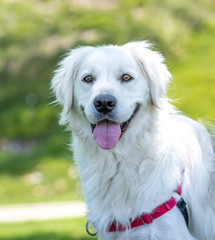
point(107, 133)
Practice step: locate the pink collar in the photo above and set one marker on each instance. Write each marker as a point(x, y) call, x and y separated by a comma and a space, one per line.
point(147, 218)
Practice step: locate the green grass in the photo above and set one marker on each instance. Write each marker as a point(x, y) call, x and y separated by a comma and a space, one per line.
point(45, 230)
point(43, 173)
point(51, 179)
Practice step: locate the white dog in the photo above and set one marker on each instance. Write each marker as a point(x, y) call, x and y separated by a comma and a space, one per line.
point(134, 152)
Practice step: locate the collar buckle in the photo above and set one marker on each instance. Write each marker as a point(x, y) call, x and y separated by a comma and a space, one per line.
point(142, 218)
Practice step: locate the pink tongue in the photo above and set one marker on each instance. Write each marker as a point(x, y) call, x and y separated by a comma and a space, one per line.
point(107, 134)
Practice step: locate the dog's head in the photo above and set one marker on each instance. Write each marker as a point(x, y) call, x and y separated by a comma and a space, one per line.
point(109, 85)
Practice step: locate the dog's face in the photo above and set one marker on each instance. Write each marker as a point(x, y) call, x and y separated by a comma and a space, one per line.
point(109, 88)
point(109, 85)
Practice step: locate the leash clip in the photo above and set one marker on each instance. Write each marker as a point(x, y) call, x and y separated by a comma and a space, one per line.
point(90, 228)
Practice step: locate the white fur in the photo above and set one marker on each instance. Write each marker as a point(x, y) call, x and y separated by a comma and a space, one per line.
point(147, 164)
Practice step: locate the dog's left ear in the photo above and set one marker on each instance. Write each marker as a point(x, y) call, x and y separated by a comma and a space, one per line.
point(153, 67)
point(63, 81)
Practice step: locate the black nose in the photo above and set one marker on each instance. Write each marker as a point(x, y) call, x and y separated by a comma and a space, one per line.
point(104, 103)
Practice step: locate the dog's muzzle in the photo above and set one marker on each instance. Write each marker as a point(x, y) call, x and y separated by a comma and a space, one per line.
point(107, 132)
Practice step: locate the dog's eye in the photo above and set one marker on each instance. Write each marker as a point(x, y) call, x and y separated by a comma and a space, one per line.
point(126, 77)
point(88, 78)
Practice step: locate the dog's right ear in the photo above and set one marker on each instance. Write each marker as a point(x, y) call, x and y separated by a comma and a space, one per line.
point(63, 80)
point(153, 67)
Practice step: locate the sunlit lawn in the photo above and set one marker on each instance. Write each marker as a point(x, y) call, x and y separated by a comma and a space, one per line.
point(48, 179)
point(45, 230)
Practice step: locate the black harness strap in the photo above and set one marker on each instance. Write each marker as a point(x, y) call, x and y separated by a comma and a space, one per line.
point(181, 204)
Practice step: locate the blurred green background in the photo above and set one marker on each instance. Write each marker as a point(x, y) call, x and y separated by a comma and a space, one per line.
point(35, 162)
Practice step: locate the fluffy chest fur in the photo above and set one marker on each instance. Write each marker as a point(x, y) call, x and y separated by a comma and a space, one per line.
point(135, 177)
point(140, 174)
